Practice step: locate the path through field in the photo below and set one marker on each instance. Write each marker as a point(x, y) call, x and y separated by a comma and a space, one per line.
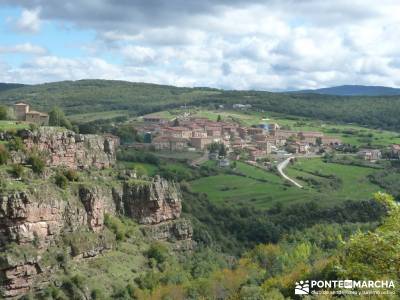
point(283, 165)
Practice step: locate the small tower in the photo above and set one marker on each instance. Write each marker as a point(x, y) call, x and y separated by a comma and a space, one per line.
point(21, 109)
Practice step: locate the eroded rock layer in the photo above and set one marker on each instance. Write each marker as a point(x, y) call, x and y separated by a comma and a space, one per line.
point(66, 148)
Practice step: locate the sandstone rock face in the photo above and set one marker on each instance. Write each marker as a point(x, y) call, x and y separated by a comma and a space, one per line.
point(38, 217)
point(97, 202)
point(65, 148)
point(152, 202)
point(179, 232)
point(25, 220)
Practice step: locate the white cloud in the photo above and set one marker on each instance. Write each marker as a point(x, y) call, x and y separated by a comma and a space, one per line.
point(26, 48)
point(232, 44)
point(29, 21)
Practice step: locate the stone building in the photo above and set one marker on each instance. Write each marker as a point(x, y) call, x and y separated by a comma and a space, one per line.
point(23, 113)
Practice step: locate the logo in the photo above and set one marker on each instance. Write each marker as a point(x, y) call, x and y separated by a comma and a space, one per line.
point(344, 287)
point(302, 288)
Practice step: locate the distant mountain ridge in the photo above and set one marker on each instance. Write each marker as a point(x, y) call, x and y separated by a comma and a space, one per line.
point(354, 90)
point(9, 86)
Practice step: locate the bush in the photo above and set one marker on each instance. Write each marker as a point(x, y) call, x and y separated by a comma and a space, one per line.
point(61, 181)
point(3, 113)
point(17, 170)
point(3, 155)
point(16, 144)
point(71, 175)
point(122, 228)
point(37, 163)
point(157, 251)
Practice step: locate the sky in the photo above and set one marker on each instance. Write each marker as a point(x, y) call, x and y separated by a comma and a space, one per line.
point(273, 45)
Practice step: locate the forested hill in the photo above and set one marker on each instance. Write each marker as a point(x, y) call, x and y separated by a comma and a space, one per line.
point(100, 95)
point(355, 90)
point(9, 86)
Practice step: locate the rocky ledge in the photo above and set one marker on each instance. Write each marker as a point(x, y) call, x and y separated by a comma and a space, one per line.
point(39, 217)
point(64, 147)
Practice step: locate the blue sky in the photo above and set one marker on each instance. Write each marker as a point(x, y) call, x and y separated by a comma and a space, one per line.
point(235, 44)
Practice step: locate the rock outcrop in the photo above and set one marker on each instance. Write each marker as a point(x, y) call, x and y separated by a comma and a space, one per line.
point(40, 216)
point(151, 202)
point(63, 147)
point(179, 232)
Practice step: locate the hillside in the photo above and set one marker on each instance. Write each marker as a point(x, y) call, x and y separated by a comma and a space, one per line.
point(9, 86)
point(84, 96)
point(355, 90)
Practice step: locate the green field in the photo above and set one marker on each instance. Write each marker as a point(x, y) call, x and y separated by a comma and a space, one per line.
point(263, 189)
point(89, 117)
point(10, 125)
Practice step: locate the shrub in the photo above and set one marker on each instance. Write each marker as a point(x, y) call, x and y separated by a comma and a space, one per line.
point(3, 113)
point(157, 251)
point(61, 181)
point(71, 175)
point(17, 170)
point(3, 155)
point(16, 144)
point(122, 228)
point(37, 163)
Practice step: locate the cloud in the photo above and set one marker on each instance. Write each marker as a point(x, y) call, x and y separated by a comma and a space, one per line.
point(238, 44)
point(29, 21)
point(26, 48)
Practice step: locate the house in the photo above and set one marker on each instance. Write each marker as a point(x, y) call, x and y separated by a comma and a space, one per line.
point(199, 134)
point(272, 128)
point(223, 163)
point(285, 134)
point(169, 143)
point(369, 154)
point(332, 141)
point(200, 143)
point(213, 131)
point(241, 106)
point(309, 137)
point(298, 147)
point(178, 132)
point(263, 145)
point(256, 154)
point(23, 113)
point(395, 151)
point(255, 131)
point(213, 155)
point(155, 119)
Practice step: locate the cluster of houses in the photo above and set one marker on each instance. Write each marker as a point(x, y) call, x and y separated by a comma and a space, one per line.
point(194, 133)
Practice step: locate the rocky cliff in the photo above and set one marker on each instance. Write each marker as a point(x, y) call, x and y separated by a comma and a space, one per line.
point(62, 147)
point(41, 217)
point(151, 202)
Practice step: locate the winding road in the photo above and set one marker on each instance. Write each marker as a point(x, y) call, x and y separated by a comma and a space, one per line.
point(283, 165)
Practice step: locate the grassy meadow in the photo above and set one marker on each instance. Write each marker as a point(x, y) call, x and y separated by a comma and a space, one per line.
point(327, 183)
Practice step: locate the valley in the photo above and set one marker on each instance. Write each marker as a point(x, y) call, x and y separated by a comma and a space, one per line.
point(129, 205)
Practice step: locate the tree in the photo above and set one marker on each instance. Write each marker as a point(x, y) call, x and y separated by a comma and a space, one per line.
point(175, 123)
point(222, 150)
point(128, 134)
point(3, 113)
point(376, 255)
point(3, 155)
point(219, 118)
point(58, 118)
point(37, 163)
point(318, 141)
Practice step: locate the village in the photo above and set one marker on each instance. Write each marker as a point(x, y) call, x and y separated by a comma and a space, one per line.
point(225, 140)
point(255, 143)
